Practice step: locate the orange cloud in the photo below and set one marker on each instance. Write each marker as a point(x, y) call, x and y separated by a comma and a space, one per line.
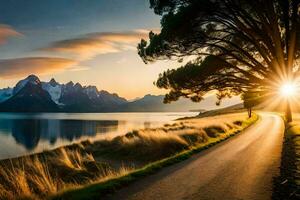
point(94, 44)
point(19, 67)
point(7, 32)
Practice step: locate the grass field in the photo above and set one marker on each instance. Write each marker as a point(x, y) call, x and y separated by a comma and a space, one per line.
point(99, 167)
point(140, 147)
point(98, 189)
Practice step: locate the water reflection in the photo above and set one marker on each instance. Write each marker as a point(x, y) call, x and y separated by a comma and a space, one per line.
point(29, 132)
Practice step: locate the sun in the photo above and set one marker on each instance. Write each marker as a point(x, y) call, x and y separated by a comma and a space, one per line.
point(288, 89)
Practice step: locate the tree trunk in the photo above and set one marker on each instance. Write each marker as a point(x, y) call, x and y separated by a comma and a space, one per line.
point(288, 112)
point(249, 112)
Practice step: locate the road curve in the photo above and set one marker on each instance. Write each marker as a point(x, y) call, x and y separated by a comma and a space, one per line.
point(238, 169)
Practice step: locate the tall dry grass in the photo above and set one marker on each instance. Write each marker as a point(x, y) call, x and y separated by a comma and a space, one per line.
point(26, 179)
point(41, 175)
point(38, 176)
point(148, 145)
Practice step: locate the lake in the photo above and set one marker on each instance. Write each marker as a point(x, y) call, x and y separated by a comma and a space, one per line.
point(23, 133)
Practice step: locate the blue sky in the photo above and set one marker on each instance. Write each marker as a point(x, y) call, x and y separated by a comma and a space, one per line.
point(97, 14)
point(88, 41)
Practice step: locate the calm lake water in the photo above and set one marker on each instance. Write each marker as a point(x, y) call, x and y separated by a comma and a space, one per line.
point(22, 134)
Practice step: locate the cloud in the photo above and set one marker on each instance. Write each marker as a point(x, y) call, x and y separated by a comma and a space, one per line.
point(7, 32)
point(93, 44)
point(18, 67)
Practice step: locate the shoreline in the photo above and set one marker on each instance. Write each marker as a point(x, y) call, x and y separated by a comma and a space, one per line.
point(89, 162)
point(24, 134)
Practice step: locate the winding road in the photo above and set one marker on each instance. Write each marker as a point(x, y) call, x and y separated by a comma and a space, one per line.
point(241, 168)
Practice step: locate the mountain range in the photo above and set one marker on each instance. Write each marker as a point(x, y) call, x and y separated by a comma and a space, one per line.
point(33, 95)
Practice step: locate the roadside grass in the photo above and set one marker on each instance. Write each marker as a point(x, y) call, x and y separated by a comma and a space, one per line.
point(287, 185)
point(148, 145)
point(294, 133)
point(101, 188)
point(75, 171)
point(39, 175)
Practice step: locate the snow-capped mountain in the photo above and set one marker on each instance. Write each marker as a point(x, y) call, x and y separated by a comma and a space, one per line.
point(30, 79)
point(33, 95)
point(75, 95)
point(29, 96)
point(66, 97)
point(92, 92)
point(5, 93)
point(54, 89)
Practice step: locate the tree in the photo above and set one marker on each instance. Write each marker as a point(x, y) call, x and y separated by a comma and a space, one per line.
point(251, 99)
point(239, 46)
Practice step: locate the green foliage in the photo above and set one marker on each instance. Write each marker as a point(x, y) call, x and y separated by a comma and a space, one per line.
point(239, 45)
point(251, 99)
point(186, 80)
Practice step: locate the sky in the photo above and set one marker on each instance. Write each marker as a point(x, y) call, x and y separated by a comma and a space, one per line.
point(92, 42)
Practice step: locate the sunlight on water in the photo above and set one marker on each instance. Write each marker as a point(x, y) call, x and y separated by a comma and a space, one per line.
point(27, 133)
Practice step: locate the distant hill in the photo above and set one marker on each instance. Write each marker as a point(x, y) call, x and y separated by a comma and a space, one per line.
point(152, 103)
point(230, 109)
point(33, 95)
